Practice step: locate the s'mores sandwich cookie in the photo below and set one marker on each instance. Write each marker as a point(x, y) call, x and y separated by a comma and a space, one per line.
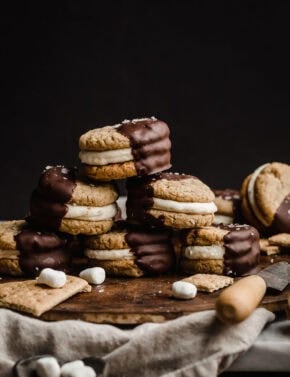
point(225, 250)
point(63, 202)
point(228, 204)
point(266, 198)
point(170, 199)
point(26, 251)
point(132, 251)
point(133, 147)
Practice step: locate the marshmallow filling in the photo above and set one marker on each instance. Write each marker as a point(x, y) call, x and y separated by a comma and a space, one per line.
point(223, 219)
point(204, 252)
point(251, 194)
point(114, 254)
point(184, 207)
point(106, 157)
point(91, 213)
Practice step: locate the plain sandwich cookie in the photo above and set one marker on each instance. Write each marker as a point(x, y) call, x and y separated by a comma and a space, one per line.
point(170, 199)
point(26, 251)
point(62, 202)
point(266, 198)
point(225, 250)
point(132, 252)
point(133, 147)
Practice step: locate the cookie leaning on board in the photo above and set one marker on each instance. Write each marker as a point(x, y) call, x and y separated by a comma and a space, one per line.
point(266, 198)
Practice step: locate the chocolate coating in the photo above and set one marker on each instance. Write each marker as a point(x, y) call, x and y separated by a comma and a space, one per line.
point(281, 222)
point(150, 143)
point(140, 197)
point(40, 250)
point(242, 250)
point(47, 202)
point(153, 250)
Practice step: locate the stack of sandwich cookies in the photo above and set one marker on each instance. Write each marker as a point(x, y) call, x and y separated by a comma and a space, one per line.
point(228, 204)
point(170, 199)
point(62, 202)
point(132, 252)
point(133, 147)
point(266, 198)
point(226, 250)
point(24, 250)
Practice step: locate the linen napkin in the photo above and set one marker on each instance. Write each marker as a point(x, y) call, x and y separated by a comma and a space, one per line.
point(193, 345)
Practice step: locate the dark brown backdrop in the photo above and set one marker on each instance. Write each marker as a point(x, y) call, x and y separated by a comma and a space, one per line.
point(216, 71)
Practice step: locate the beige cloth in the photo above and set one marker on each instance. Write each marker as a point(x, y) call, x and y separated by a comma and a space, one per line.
point(195, 345)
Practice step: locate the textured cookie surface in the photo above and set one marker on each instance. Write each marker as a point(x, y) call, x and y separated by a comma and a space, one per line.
point(271, 187)
point(268, 249)
point(10, 267)
point(182, 190)
point(102, 139)
point(205, 236)
point(107, 241)
point(181, 220)
point(8, 230)
point(111, 171)
point(118, 267)
point(203, 266)
point(246, 208)
point(209, 282)
point(75, 227)
point(282, 239)
point(86, 194)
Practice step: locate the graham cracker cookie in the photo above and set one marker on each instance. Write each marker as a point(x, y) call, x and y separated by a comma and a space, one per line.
point(266, 197)
point(209, 282)
point(63, 202)
point(29, 297)
point(282, 240)
point(175, 200)
point(133, 147)
point(268, 249)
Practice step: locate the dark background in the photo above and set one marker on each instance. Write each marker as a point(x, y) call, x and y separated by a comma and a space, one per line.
point(216, 71)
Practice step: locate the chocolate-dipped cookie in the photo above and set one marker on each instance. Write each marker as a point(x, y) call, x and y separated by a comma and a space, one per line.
point(62, 202)
point(228, 204)
point(170, 199)
point(26, 251)
point(225, 250)
point(133, 147)
point(266, 198)
point(132, 251)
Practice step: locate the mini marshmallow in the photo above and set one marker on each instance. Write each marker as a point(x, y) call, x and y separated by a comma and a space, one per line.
point(94, 275)
point(52, 278)
point(47, 367)
point(68, 368)
point(81, 371)
point(184, 290)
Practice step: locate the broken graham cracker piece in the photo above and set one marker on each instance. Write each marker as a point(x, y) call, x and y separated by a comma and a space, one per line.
point(267, 248)
point(30, 297)
point(281, 239)
point(209, 282)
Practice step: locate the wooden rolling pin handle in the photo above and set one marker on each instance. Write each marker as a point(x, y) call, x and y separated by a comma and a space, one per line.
point(238, 301)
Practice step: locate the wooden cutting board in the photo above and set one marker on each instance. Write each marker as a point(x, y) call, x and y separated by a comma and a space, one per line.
point(135, 301)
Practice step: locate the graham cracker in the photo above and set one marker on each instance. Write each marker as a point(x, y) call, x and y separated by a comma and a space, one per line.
point(281, 239)
point(209, 282)
point(267, 248)
point(30, 297)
